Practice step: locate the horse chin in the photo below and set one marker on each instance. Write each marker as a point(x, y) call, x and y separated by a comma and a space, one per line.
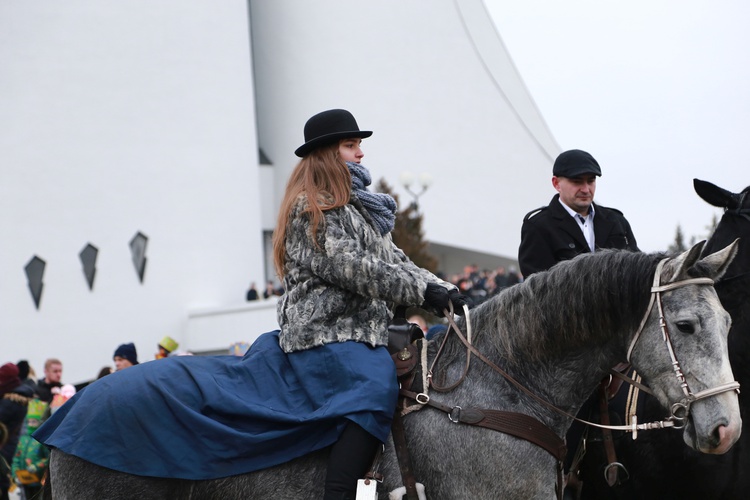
point(718, 441)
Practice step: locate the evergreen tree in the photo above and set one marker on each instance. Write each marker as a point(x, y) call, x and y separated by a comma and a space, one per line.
point(712, 227)
point(679, 242)
point(408, 234)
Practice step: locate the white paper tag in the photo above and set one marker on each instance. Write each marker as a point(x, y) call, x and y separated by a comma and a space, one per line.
point(367, 489)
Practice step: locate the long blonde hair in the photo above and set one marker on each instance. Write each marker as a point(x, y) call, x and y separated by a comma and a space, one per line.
point(324, 180)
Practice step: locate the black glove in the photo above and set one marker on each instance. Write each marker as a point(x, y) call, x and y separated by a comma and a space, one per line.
point(458, 300)
point(436, 298)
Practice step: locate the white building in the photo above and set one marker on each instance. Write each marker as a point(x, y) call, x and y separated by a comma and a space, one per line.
point(119, 118)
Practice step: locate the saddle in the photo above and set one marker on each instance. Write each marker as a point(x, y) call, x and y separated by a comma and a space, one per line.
point(401, 338)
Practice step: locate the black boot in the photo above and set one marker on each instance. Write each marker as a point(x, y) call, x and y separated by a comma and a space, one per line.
point(350, 458)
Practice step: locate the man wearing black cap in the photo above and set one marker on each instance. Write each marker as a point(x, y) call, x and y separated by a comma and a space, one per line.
point(571, 224)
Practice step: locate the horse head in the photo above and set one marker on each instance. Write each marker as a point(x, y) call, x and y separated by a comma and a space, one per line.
point(734, 223)
point(682, 349)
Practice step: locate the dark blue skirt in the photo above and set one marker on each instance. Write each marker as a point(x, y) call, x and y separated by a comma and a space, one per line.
point(205, 417)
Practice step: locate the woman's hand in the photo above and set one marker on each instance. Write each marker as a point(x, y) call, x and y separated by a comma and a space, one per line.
point(436, 298)
point(458, 300)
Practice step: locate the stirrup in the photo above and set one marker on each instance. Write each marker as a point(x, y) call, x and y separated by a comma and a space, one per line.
point(616, 479)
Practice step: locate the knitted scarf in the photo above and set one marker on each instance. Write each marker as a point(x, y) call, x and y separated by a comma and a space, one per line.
point(380, 206)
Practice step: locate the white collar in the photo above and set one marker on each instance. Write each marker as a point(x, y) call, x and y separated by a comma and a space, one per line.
point(573, 213)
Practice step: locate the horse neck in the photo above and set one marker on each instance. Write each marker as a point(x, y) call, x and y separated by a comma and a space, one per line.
point(557, 334)
point(734, 291)
point(734, 297)
point(564, 380)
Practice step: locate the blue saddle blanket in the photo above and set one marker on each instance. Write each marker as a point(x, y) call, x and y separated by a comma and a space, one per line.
point(206, 417)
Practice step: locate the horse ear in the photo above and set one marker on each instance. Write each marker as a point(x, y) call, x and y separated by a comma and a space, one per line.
point(677, 267)
point(714, 195)
point(718, 262)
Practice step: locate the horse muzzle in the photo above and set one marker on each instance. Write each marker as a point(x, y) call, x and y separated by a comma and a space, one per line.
point(714, 424)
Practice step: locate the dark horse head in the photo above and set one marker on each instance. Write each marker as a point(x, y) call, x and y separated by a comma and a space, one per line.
point(734, 287)
point(660, 464)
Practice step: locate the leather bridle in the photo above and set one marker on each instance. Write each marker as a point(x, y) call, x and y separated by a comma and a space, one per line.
point(681, 409)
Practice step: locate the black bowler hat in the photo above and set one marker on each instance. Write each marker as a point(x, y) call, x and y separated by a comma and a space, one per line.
point(328, 127)
point(574, 163)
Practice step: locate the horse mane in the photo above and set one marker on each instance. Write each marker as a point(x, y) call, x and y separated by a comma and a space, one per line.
point(577, 304)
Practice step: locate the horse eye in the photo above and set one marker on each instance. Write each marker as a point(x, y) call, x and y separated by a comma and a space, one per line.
point(685, 327)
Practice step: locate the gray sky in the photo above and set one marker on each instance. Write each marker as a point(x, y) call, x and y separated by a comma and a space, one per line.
point(658, 91)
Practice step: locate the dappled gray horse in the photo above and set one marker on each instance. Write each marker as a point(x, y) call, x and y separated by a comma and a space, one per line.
point(557, 334)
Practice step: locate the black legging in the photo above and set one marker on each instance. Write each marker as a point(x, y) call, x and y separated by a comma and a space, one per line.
point(350, 458)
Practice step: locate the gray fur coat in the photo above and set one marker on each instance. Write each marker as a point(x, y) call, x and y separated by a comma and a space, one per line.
point(344, 290)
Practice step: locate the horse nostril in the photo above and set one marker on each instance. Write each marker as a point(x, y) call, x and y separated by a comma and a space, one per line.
point(723, 438)
point(718, 436)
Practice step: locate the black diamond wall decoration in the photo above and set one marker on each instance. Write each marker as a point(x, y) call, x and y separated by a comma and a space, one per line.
point(138, 253)
point(88, 258)
point(34, 277)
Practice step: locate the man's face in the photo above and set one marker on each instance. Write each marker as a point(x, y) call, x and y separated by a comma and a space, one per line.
point(53, 373)
point(576, 192)
point(122, 363)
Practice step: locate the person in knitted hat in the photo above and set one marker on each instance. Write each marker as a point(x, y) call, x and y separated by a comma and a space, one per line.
point(9, 379)
point(125, 356)
point(340, 269)
point(166, 346)
point(24, 372)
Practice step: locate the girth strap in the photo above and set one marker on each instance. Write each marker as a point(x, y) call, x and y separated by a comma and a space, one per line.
point(515, 424)
point(402, 454)
point(611, 471)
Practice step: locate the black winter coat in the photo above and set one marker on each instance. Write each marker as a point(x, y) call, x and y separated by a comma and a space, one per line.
point(550, 235)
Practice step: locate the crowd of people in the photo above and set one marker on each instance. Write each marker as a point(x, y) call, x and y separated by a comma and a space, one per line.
point(271, 290)
point(27, 401)
point(479, 285)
